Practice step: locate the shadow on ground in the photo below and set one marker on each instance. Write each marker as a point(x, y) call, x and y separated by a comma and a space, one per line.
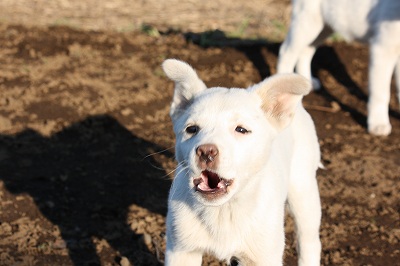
point(83, 179)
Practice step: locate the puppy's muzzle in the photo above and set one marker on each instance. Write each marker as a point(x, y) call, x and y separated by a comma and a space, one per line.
point(207, 156)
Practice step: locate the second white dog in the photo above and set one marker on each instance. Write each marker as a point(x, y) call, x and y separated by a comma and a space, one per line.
point(241, 154)
point(376, 22)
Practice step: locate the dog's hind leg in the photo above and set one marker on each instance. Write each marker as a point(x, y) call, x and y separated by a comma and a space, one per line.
point(300, 43)
point(303, 66)
point(305, 206)
point(382, 63)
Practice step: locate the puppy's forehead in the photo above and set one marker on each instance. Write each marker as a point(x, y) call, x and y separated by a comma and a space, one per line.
point(219, 98)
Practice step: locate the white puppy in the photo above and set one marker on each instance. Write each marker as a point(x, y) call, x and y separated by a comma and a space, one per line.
point(241, 154)
point(376, 22)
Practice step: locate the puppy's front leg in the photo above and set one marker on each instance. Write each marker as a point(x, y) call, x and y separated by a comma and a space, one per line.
point(181, 258)
point(305, 206)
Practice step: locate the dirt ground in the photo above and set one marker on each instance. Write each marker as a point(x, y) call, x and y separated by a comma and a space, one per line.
point(86, 144)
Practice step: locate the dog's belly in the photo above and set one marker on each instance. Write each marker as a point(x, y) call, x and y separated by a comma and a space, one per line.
point(353, 20)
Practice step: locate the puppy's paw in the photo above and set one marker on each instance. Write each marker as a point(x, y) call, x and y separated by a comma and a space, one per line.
point(380, 129)
point(316, 84)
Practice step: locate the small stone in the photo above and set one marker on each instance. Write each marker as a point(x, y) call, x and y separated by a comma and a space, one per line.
point(126, 112)
point(149, 218)
point(134, 225)
point(124, 262)
point(59, 244)
point(147, 240)
point(335, 107)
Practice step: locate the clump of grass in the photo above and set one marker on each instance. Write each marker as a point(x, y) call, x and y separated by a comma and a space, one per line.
point(239, 33)
point(64, 22)
point(279, 30)
point(150, 30)
point(335, 37)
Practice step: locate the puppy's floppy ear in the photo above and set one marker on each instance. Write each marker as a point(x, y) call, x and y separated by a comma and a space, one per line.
point(280, 95)
point(187, 83)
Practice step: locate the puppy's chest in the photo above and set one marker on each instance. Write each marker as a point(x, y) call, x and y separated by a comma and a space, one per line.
point(222, 233)
point(226, 228)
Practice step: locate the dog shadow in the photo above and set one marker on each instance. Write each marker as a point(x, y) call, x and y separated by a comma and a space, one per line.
point(252, 49)
point(83, 179)
point(325, 58)
point(338, 70)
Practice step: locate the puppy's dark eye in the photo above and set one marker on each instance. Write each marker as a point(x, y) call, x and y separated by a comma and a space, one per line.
point(242, 130)
point(192, 129)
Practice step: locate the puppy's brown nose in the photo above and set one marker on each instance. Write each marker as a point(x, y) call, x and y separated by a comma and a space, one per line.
point(207, 155)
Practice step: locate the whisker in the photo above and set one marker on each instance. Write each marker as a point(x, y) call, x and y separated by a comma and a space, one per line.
point(170, 172)
point(185, 168)
point(157, 152)
point(154, 153)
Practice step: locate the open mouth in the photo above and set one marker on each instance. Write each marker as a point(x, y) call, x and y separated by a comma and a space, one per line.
point(211, 183)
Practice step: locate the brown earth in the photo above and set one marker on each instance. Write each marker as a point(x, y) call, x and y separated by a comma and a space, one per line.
point(86, 143)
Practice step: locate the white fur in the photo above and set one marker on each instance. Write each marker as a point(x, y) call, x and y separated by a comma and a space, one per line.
point(376, 22)
point(275, 162)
